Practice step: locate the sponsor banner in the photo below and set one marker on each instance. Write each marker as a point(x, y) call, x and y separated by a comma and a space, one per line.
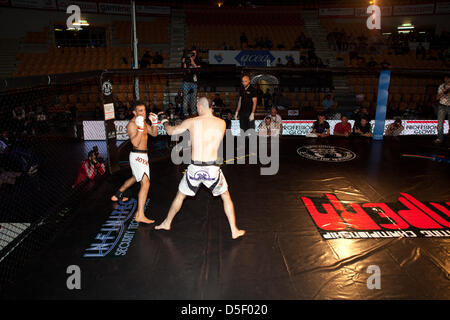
point(362, 12)
point(255, 58)
point(10, 231)
point(84, 6)
point(443, 7)
point(152, 10)
point(115, 8)
point(109, 111)
point(41, 4)
point(95, 130)
point(336, 12)
point(116, 233)
point(414, 9)
point(407, 218)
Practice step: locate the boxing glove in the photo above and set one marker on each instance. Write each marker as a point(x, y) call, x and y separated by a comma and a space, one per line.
point(153, 118)
point(162, 117)
point(140, 123)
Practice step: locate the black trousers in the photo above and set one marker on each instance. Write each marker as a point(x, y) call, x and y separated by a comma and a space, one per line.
point(245, 123)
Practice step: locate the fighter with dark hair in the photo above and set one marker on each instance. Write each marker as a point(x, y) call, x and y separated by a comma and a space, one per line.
point(138, 130)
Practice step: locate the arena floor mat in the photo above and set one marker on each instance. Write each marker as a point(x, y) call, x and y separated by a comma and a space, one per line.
point(342, 219)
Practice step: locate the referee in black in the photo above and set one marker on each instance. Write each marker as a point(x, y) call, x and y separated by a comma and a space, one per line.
point(245, 111)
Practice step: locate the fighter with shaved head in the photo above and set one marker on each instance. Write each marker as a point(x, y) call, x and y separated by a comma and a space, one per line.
point(206, 132)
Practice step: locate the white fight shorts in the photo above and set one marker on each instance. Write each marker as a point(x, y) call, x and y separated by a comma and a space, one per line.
point(139, 164)
point(202, 173)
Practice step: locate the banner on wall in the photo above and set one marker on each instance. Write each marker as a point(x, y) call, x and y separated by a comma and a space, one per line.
point(254, 58)
point(152, 10)
point(41, 4)
point(443, 7)
point(95, 130)
point(336, 12)
point(84, 6)
point(362, 12)
point(417, 9)
point(115, 8)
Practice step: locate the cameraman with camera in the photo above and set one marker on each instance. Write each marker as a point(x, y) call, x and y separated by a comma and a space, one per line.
point(190, 64)
point(443, 96)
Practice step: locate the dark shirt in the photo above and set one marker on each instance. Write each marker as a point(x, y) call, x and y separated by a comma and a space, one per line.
point(321, 127)
point(189, 72)
point(218, 102)
point(364, 129)
point(247, 96)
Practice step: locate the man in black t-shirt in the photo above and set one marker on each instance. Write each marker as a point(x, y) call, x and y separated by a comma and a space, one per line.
point(245, 111)
point(321, 128)
point(362, 128)
point(190, 64)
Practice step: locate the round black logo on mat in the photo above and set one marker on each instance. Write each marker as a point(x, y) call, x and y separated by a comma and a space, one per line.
point(326, 153)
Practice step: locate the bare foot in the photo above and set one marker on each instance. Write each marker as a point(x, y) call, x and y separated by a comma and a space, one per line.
point(163, 226)
point(238, 233)
point(143, 219)
point(115, 199)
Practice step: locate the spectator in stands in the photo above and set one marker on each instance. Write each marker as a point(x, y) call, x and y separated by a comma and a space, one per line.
point(224, 46)
point(281, 46)
point(395, 128)
point(372, 63)
point(30, 121)
point(145, 60)
point(179, 102)
point(443, 96)
point(73, 112)
point(360, 112)
point(89, 169)
point(321, 128)
point(362, 128)
point(41, 122)
point(343, 128)
point(158, 58)
point(267, 128)
point(218, 102)
point(276, 119)
point(228, 115)
point(16, 158)
point(244, 40)
point(268, 104)
point(259, 94)
point(420, 52)
point(290, 63)
point(328, 103)
point(268, 44)
point(190, 63)
point(279, 63)
point(384, 64)
point(267, 96)
point(19, 119)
